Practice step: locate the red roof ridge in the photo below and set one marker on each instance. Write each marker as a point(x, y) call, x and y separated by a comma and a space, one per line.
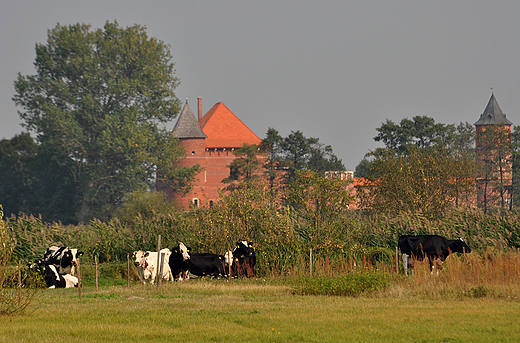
point(225, 130)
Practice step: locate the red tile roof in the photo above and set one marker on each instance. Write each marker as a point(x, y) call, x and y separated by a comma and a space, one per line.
point(225, 130)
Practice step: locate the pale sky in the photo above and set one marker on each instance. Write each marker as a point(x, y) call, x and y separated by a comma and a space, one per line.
point(335, 70)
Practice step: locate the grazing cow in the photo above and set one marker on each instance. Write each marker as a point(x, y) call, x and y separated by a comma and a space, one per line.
point(435, 248)
point(146, 263)
point(244, 260)
point(63, 258)
point(179, 262)
point(199, 264)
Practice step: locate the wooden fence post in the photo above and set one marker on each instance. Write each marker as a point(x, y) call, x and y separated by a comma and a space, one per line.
point(397, 260)
point(79, 280)
point(96, 264)
point(157, 276)
point(19, 282)
point(310, 260)
point(128, 270)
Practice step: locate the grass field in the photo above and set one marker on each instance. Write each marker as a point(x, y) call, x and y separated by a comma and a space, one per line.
point(256, 311)
point(475, 298)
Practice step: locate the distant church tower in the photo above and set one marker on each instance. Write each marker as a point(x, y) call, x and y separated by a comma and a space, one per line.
point(490, 175)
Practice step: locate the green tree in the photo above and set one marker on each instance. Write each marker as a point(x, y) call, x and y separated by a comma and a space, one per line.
point(272, 146)
point(245, 167)
point(427, 180)
point(424, 132)
point(16, 179)
point(297, 152)
point(495, 170)
point(318, 202)
point(97, 105)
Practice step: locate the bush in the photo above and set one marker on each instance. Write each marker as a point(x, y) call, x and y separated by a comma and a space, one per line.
point(351, 284)
point(13, 300)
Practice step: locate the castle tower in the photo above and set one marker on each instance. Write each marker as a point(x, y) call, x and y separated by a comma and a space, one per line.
point(192, 138)
point(493, 147)
point(209, 142)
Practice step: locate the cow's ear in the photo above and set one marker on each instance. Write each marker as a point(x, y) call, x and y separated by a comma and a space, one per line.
point(146, 254)
point(250, 244)
point(80, 253)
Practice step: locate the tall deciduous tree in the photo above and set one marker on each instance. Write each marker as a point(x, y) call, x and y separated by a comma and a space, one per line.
point(97, 105)
point(424, 132)
point(16, 178)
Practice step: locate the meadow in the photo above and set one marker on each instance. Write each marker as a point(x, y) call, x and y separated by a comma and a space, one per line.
point(475, 298)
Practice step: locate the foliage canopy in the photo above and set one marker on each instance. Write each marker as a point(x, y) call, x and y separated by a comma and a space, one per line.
point(97, 106)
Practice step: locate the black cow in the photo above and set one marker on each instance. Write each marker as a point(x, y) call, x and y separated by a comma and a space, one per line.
point(244, 260)
point(199, 264)
point(434, 247)
point(63, 258)
point(206, 264)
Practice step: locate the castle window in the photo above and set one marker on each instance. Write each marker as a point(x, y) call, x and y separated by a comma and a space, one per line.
point(193, 152)
point(195, 202)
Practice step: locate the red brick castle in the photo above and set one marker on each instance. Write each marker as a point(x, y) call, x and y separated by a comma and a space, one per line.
point(209, 141)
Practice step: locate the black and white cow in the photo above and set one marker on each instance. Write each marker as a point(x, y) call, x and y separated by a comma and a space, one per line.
point(51, 276)
point(199, 264)
point(435, 248)
point(53, 279)
point(179, 262)
point(63, 258)
point(244, 260)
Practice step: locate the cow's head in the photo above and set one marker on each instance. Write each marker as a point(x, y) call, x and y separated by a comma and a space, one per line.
point(182, 251)
point(228, 258)
point(70, 257)
point(139, 257)
point(460, 246)
point(244, 248)
point(75, 255)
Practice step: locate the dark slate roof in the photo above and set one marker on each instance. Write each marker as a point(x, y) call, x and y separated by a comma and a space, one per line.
point(493, 114)
point(187, 125)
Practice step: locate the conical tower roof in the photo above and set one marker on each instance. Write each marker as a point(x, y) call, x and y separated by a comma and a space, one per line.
point(187, 125)
point(493, 114)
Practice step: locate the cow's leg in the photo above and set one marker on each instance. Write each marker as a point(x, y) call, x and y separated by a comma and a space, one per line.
point(154, 274)
point(405, 258)
point(140, 271)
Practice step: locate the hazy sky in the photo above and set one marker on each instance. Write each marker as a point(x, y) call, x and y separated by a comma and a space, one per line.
point(335, 70)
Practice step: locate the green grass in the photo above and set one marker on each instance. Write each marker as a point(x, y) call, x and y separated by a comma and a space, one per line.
point(257, 311)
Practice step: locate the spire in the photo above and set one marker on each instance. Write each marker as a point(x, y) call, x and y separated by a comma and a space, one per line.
point(187, 125)
point(493, 114)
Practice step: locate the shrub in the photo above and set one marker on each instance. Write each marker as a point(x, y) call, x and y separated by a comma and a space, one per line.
point(351, 284)
point(13, 300)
